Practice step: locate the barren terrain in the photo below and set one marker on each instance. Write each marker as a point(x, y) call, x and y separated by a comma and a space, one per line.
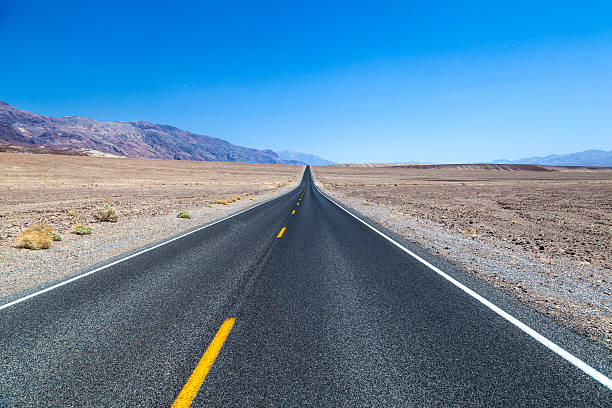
point(147, 193)
point(542, 233)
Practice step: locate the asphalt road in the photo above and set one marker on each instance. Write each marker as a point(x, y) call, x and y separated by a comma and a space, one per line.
point(328, 314)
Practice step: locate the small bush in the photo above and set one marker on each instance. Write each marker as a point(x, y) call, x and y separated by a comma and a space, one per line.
point(81, 229)
point(55, 236)
point(107, 213)
point(34, 240)
point(46, 229)
point(71, 213)
point(184, 214)
point(469, 231)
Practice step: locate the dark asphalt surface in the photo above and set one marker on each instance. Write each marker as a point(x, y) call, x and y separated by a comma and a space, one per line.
point(331, 314)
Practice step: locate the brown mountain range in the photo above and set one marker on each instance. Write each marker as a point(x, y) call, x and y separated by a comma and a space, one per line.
point(126, 139)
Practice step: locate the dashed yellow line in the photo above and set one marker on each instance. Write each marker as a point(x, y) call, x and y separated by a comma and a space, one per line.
point(282, 231)
point(292, 212)
point(298, 203)
point(194, 382)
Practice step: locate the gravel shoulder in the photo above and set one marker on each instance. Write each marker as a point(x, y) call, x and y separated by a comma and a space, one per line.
point(147, 193)
point(544, 237)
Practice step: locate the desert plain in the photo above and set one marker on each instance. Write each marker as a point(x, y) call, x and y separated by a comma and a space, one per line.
point(543, 234)
point(64, 190)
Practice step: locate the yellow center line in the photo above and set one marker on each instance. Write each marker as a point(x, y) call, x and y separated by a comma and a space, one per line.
point(292, 212)
point(298, 203)
point(282, 231)
point(194, 382)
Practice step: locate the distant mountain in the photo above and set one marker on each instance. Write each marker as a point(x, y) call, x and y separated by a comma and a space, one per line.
point(304, 158)
point(600, 158)
point(126, 139)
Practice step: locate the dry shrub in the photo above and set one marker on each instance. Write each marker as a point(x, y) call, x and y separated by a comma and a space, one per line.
point(34, 240)
point(184, 214)
point(469, 231)
point(225, 202)
point(81, 229)
point(107, 213)
point(45, 229)
point(71, 213)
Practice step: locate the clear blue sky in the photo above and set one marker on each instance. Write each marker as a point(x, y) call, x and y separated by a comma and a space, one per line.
point(351, 81)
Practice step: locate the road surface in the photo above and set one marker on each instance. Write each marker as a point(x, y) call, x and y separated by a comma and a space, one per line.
point(307, 306)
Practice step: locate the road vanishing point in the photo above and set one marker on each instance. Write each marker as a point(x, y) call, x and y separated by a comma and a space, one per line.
point(293, 302)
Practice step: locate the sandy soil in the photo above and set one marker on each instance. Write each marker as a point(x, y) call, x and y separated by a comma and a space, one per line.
point(542, 233)
point(147, 193)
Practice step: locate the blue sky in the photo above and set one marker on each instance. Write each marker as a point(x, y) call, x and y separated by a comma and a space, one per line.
point(351, 81)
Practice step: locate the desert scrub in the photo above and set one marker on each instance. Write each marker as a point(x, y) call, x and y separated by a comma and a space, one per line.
point(106, 213)
point(46, 229)
point(184, 214)
point(34, 240)
point(71, 213)
point(81, 229)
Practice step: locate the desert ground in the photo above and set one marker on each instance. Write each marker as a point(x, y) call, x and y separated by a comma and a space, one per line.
point(63, 191)
point(543, 234)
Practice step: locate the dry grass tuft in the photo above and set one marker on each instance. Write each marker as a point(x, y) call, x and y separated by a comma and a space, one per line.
point(184, 214)
point(469, 231)
point(46, 229)
point(81, 229)
point(107, 213)
point(34, 240)
point(228, 201)
point(71, 213)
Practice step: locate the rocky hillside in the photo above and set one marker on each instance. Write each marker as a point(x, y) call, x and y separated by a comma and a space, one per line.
point(127, 139)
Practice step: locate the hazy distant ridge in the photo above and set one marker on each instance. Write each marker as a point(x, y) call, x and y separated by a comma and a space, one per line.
point(311, 159)
point(600, 158)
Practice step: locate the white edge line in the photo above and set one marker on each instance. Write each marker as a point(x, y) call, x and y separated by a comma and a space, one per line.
point(40, 292)
point(587, 369)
